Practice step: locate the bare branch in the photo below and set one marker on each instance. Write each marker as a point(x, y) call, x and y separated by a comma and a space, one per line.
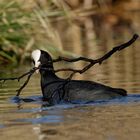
point(96, 61)
point(117, 48)
point(25, 83)
point(29, 73)
point(16, 78)
point(72, 59)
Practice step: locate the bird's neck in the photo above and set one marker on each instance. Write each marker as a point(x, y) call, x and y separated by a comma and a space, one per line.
point(48, 75)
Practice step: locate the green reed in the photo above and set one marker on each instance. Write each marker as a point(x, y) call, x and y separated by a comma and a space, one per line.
point(13, 35)
point(22, 29)
point(52, 25)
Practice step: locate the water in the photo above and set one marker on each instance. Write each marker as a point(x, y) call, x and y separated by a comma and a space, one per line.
point(28, 118)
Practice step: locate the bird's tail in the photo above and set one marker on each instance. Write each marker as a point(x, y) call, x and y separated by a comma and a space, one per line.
point(121, 91)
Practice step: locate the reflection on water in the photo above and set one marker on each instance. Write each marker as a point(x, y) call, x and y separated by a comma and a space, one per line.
point(117, 119)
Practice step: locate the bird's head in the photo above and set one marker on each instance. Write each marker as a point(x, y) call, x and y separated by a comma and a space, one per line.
point(41, 59)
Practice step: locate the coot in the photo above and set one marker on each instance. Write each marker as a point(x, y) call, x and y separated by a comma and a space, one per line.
point(55, 89)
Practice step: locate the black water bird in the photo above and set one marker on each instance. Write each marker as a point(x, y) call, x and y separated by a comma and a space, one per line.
point(55, 89)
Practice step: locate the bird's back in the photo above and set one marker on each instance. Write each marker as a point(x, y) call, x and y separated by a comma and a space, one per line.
point(91, 91)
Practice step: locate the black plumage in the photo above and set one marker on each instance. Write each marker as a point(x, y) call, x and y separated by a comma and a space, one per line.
point(55, 89)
